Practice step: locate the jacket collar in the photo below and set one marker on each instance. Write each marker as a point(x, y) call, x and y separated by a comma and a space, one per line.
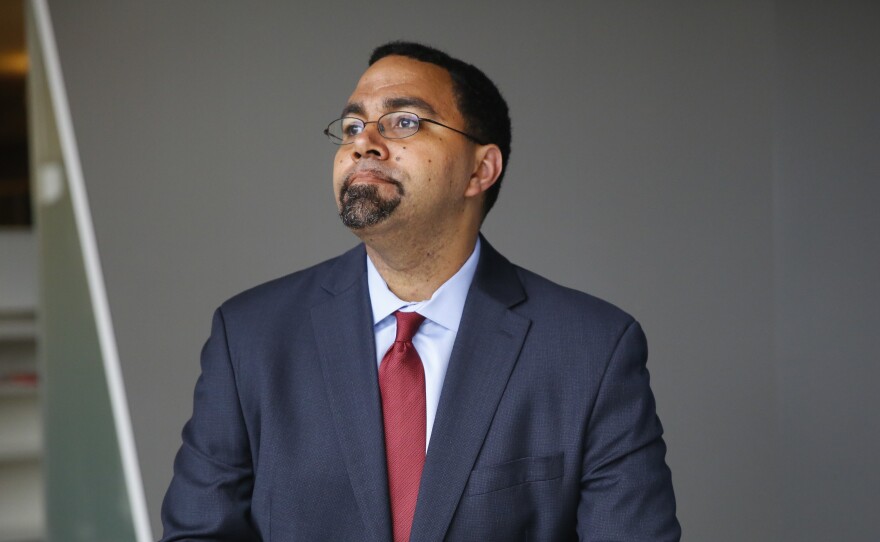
point(486, 349)
point(495, 275)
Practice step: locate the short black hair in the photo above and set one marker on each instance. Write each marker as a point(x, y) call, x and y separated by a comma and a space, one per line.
point(480, 102)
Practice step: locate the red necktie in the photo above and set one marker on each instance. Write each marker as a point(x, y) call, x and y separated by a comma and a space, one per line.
point(402, 384)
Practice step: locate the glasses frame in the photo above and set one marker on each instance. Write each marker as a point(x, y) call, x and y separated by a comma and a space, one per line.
point(336, 141)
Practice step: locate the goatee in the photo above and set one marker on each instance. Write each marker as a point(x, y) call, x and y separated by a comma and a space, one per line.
point(363, 206)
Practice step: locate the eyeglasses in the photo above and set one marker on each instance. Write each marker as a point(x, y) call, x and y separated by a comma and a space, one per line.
point(394, 125)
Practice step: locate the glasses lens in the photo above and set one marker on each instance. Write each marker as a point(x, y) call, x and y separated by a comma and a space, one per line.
point(398, 124)
point(343, 131)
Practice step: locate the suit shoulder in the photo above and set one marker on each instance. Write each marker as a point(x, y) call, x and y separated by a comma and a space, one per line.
point(546, 296)
point(302, 288)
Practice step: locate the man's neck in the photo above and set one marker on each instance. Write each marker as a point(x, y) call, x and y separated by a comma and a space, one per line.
point(415, 272)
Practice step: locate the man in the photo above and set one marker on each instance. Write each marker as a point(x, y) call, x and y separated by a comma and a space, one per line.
point(421, 387)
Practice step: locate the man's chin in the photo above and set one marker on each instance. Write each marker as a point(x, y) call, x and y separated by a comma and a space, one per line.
point(359, 227)
point(360, 211)
point(364, 219)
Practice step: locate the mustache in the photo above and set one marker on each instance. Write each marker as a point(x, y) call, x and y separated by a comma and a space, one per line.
point(380, 172)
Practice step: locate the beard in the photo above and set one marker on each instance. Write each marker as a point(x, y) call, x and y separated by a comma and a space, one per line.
point(361, 205)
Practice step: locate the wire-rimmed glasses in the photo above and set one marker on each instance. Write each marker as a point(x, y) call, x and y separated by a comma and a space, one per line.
point(394, 125)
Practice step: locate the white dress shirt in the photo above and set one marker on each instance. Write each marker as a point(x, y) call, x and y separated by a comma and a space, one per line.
point(435, 337)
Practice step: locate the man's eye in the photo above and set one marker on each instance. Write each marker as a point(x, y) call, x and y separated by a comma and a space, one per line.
point(352, 129)
point(406, 123)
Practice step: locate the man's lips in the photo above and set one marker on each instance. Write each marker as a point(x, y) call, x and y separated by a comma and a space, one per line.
point(364, 178)
point(370, 176)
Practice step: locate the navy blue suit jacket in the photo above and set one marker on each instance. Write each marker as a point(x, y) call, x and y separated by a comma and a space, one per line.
point(545, 431)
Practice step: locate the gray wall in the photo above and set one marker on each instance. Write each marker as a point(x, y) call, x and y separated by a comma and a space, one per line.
point(826, 210)
point(705, 165)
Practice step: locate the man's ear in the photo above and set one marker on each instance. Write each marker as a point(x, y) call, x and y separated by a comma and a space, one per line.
point(488, 167)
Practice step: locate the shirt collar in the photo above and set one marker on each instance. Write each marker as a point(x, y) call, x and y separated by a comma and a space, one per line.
point(444, 307)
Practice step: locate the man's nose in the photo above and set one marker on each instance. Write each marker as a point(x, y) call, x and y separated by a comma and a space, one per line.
point(369, 143)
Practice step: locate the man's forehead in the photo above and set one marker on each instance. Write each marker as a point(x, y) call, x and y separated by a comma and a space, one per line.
point(396, 70)
point(396, 81)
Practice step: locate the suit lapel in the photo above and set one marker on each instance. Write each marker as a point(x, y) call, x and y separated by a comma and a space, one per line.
point(486, 349)
point(344, 334)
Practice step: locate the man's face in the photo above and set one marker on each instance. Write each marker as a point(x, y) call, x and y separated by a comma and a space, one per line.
point(415, 182)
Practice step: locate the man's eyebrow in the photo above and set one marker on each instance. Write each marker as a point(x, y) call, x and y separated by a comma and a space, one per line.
point(355, 108)
point(394, 104)
point(391, 104)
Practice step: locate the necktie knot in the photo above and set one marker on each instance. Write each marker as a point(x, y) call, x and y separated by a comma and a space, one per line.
point(407, 325)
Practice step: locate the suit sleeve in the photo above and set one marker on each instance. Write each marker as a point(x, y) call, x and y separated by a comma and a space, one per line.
point(626, 487)
point(209, 497)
